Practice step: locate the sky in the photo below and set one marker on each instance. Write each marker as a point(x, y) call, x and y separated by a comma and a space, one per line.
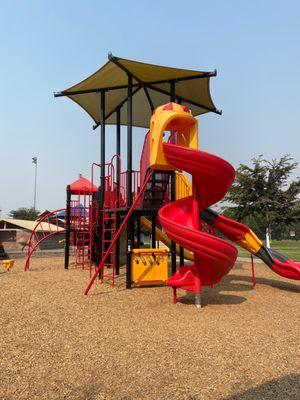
point(47, 46)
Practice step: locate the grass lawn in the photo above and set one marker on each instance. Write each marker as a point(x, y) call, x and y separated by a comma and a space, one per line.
point(290, 248)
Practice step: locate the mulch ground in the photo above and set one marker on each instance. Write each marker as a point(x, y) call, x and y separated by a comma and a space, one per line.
point(121, 344)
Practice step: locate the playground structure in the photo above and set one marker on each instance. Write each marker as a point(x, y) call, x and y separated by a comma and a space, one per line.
point(75, 221)
point(159, 196)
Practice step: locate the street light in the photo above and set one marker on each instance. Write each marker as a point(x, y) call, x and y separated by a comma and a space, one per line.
point(34, 161)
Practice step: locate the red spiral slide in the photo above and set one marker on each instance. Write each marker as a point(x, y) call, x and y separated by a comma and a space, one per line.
point(212, 178)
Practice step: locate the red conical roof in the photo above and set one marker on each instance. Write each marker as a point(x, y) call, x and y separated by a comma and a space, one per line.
point(83, 185)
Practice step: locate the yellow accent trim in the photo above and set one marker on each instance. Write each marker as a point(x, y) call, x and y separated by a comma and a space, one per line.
point(183, 186)
point(250, 242)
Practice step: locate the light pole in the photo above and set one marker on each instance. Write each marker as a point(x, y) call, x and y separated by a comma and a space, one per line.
point(34, 161)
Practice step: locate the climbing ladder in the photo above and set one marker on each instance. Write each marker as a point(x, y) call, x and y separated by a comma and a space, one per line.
point(81, 251)
point(108, 234)
point(79, 221)
point(114, 192)
point(118, 233)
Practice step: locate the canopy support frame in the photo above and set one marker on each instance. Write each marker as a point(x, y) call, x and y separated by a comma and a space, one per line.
point(118, 153)
point(173, 188)
point(109, 88)
point(130, 224)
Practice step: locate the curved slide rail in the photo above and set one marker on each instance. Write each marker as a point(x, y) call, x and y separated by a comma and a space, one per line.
point(213, 257)
point(45, 229)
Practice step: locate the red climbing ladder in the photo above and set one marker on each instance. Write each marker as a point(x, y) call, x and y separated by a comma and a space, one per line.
point(118, 233)
point(108, 234)
point(82, 247)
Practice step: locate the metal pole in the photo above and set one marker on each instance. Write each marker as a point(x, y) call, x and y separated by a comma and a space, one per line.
point(181, 249)
point(68, 227)
point(34, 160)
point(118, 152)
point(172, 91)
point(118, 143)
point(102, 175)
point(129, 142)
point(181, 256)
point(173, 244)
point(130, 225)
point(253, 272)
point(102, 147)
point(173, 190)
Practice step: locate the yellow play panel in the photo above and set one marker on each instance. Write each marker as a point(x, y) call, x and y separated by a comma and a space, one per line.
point(149, 266)
point(8, 264)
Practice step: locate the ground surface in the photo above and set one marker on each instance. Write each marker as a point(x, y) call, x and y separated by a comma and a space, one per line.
point(290, 248)
point(120, 344)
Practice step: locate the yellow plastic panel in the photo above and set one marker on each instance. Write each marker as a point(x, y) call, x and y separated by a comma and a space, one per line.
point(175, 118)
point(149, 266)
point(8, 264)
point(183, 186)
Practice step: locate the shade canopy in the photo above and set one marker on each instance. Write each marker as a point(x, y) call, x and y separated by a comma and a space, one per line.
point(151, 87)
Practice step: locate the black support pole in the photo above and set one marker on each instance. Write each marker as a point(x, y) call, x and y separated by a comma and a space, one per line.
point(172, 91)
point(102, 175)
point(173, 190)
point(68, 227)
point(181, 249)
point(118, 171)
point(102, 147)
point(173, 244)
point(181, 256)
point(130, 225)
point(129, 142)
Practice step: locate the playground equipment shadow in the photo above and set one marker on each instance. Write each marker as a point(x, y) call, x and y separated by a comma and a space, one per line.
point(122, 344)
point(288, 386)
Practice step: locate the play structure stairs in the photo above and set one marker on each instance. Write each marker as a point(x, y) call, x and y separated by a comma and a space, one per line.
point(155, 192)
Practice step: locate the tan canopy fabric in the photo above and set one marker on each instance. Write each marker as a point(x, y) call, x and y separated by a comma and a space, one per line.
point(151, 87)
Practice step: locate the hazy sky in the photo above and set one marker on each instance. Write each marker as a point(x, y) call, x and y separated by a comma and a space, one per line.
point(47, 46)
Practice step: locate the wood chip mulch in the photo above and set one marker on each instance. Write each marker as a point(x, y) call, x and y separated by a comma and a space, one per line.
point(244, 344)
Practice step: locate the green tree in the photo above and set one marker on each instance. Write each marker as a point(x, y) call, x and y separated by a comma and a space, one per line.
point(263, 193)
point(24, 213)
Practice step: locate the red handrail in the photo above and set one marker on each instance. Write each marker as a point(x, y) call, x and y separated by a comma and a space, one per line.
point(100, 266)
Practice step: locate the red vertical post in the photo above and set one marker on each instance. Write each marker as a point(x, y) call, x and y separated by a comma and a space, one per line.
point(253, 272)
point(174, 295)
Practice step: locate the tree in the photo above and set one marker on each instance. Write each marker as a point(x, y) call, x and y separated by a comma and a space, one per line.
point(262, 192)
point(24, 213)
